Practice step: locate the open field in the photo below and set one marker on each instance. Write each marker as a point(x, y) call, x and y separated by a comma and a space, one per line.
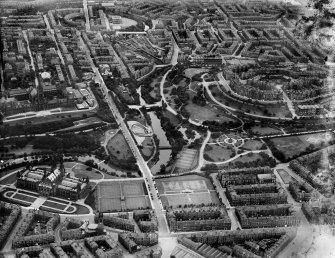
point(266, 130)
point(80, 171)
point(200, 114)
point(9, 180)
point(247, 158)
point(121, 196)
point(190, 72)
point(190, 189)
point(216, 153)
point(119, 148)
point(294, 145)
point(252, 145)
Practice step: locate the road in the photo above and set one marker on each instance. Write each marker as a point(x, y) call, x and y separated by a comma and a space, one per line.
point(31, 56)
point(87, 18)
point(155, 202)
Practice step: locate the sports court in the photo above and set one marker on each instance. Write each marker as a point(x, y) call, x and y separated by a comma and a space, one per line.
point(187, 159)
point(116, 196)
point(191, 189)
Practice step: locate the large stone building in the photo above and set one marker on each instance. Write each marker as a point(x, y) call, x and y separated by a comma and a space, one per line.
point(53, 183)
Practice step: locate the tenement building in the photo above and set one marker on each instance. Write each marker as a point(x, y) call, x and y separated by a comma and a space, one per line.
point(300, 192)
point(103, 246)
point(196, 219)
point(256, 194)
point(246, 176)
point(44, 224)
point(9, 215)
point(243, 243)
point(319, 213)
point(264, 216)
point(146, 220)
point(133, 241)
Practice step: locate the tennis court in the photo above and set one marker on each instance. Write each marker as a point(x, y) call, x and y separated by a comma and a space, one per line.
point(116, 195)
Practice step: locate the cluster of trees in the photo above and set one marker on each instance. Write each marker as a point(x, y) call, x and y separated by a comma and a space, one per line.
point(27, 129)
point(182, 96)
point(283, 158)
point(175, 137)
point(27, 10)
point(129, 164)
point(104, 111)
point(113, 84)
point(145, 84)
point(199, 99)
point(265, 160)
point(68, 143)
point(122, 107)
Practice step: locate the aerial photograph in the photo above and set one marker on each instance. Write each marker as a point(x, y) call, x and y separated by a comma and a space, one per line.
point(167, 129)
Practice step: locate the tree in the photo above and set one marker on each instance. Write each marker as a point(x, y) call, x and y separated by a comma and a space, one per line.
point(162, 169)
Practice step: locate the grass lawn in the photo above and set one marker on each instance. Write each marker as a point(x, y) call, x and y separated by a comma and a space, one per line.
point(286, 177)
point(54, 205)
point(148, 148)
point(8, 180)
point(247, 157)
point(173, 119)
point(69, 164)
point(23, 197)
point(289, 146)
point(252, 145)
point(259, 130)
point(293, 145)
point(216, 153)
point(119, 148)
point(190, 72)
point(81, 209)
point(199, 113)
point(195, 86)
point(80, 171)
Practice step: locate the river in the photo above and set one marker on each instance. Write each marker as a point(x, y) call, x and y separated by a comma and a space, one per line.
point(164, 155)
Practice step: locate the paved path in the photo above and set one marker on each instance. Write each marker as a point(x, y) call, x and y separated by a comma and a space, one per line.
point(202, 161)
